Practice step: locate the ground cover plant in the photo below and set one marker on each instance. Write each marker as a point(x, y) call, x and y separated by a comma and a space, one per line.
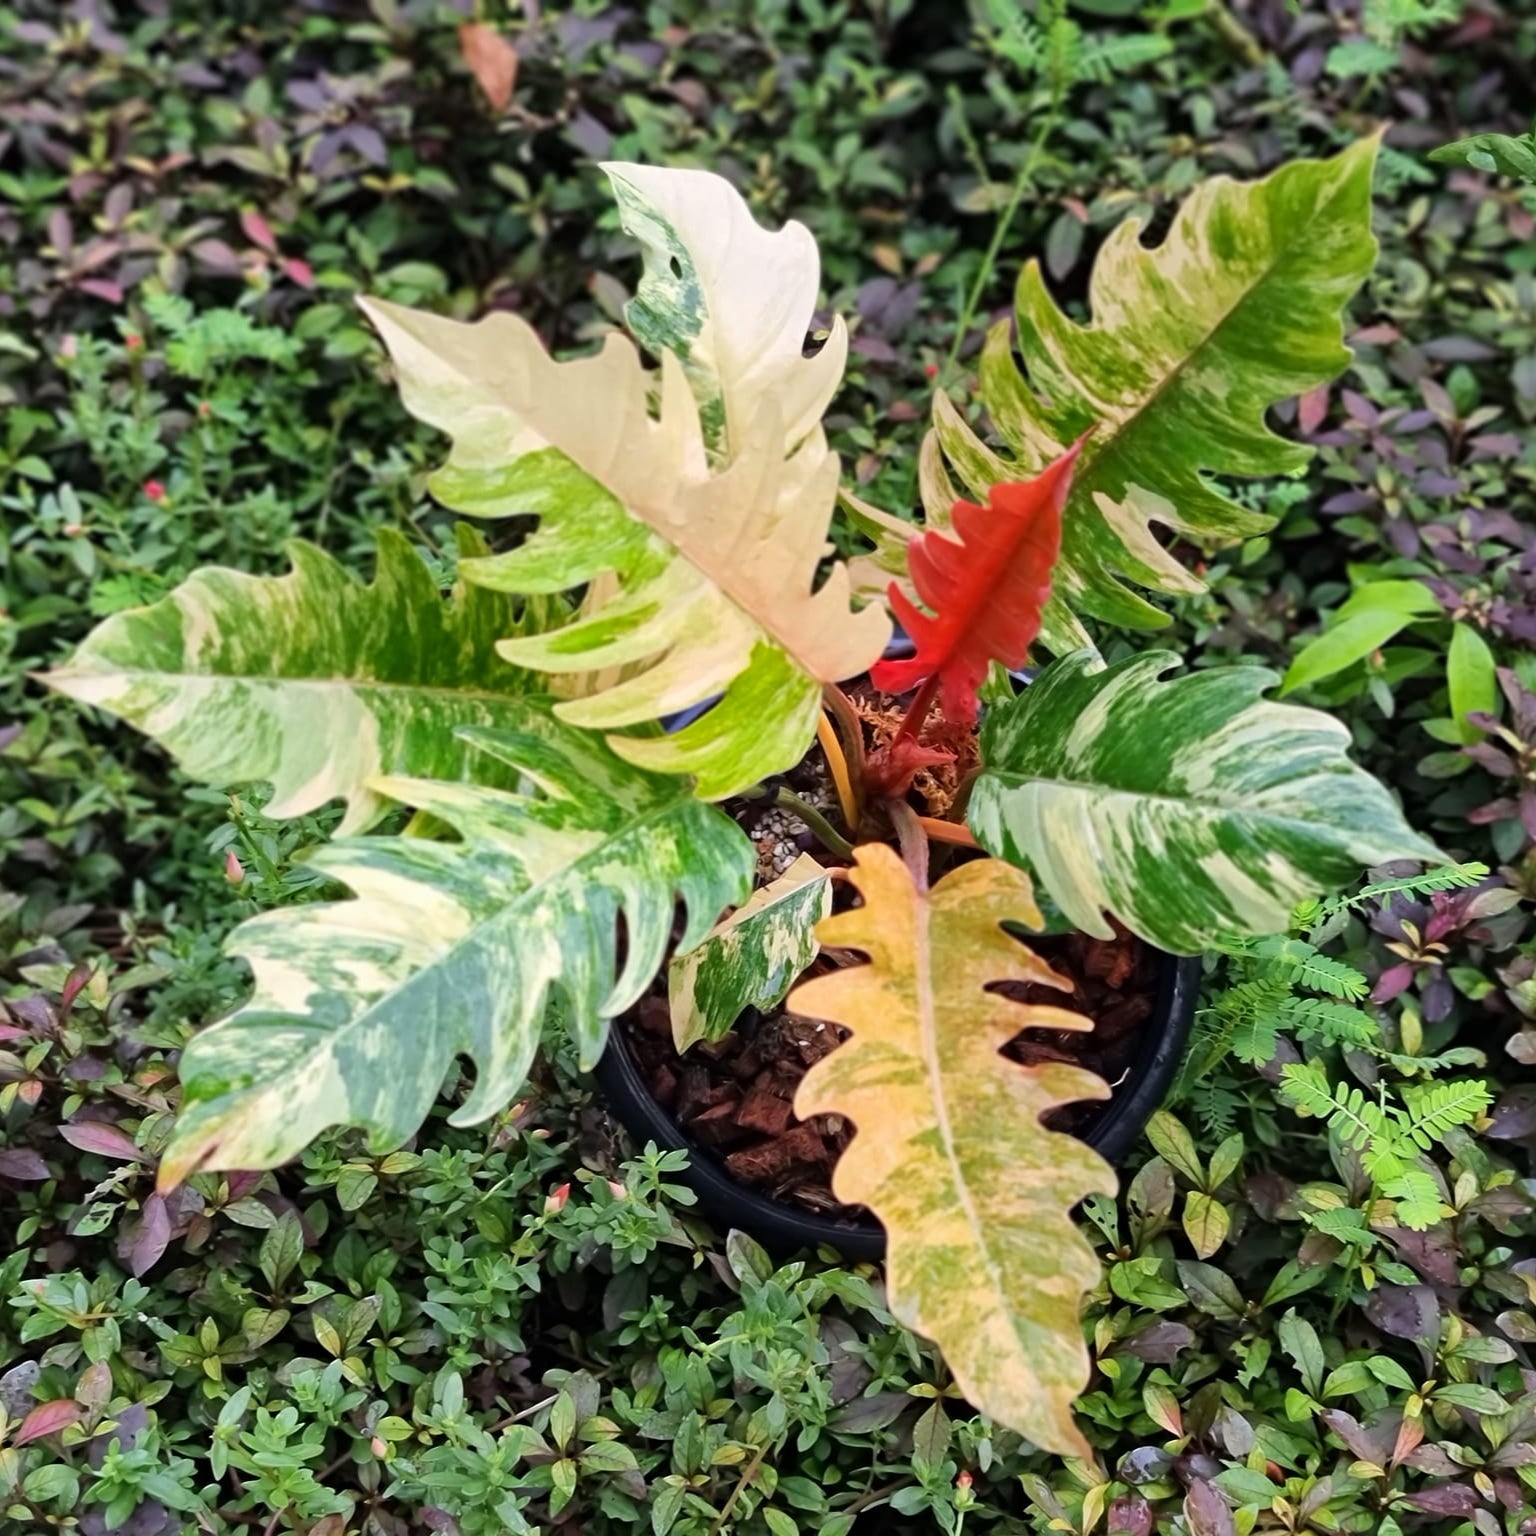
point(1411, 990)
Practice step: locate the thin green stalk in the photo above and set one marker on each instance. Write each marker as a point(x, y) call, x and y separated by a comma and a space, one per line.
point(823, 830)
point(1005, 219)
point(1235, 34)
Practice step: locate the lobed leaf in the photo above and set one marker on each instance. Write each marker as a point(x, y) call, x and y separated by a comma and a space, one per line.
point(452, 948)
point(313, 680)
point(1196, 812)
point(975, 1194)
point(699, 529)
point(1190, 343)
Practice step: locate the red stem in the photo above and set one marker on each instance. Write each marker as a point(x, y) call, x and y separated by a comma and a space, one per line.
point(917, 711)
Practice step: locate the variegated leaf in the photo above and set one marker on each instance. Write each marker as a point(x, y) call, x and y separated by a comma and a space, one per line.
point(974, 1193)
point(312, 681)
point(452, 948)
point(1194, 810)
point(1190, 343)
point(752, 958)
point(699, 501)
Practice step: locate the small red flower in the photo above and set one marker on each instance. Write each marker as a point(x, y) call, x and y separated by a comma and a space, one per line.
point(154, 490)
point(556, 1201)
point(931, 369)
point(133, 341)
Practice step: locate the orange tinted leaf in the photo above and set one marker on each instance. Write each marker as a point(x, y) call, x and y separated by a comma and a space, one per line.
point(950, 1154)
point(986, 586)
point(492, 60)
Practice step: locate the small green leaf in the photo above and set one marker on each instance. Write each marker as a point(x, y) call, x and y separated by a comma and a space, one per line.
point(1212, 1291)
point(1371, 617)
point(1224, 1161)
point(1471, 674)
point(1298, 1338)
point(1168, 1134)
point(1496, 153)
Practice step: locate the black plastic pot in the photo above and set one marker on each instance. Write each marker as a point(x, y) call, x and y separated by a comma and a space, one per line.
point(784, 1229)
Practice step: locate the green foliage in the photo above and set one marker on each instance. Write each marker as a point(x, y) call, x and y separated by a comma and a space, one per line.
point(1499, 154)
point(1391, 1138)
point(884, 128)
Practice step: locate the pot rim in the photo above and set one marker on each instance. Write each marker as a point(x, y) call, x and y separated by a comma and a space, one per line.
point(785, 1228)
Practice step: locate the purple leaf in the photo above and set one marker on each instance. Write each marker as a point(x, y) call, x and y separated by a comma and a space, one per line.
point(1130, 1515)
point(151, 1235)
point(1455, 1499)
point(104, 1140)
point(1206, 1512)
point(22, 1164)
point(1405, 1311)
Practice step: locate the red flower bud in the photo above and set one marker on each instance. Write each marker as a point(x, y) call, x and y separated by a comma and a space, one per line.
point(154, 490)
point(556, 1201)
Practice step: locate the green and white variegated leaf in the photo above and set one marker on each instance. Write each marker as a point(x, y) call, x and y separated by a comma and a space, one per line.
point(452, 948)
point(752, 958)
point(694, 506)
point(732, 300)
point(1194, 810)
point(312, 681)
point(1190, 343)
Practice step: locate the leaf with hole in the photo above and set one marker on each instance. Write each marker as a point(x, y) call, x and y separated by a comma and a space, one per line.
point(1190, 343)
point(698, 528)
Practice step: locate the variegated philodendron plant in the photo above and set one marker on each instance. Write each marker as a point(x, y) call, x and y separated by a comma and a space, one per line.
point(681, 492)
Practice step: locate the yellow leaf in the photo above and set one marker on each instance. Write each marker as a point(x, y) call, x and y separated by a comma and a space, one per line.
point(974, 1192)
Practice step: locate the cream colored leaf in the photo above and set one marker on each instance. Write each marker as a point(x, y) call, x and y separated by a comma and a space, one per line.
point(704, 495)
point(974, 1193)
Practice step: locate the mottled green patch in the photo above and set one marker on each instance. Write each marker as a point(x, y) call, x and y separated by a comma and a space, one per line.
point(1194, 811)
point(313, 681)
point(1190, 344)
point(752, 958)
point(452, 948)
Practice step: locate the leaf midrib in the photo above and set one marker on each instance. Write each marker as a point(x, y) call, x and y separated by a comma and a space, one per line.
point(1014, 780)
point(930, 1036)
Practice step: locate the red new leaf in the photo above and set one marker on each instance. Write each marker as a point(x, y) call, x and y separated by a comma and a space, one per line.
point(985, 585)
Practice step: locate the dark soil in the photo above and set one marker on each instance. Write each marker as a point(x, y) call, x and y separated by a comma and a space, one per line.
point(734, 1097)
